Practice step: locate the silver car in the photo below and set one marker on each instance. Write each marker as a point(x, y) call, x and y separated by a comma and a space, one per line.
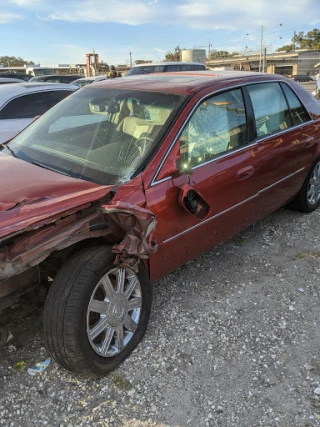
point(20, 103)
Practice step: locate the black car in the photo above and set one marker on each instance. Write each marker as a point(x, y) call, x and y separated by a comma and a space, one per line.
point(302, 78)
point(55, 78)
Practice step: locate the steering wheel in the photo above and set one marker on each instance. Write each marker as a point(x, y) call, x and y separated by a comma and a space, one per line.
point(143, 142)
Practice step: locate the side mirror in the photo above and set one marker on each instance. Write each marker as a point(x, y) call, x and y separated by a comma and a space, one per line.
point(190, 200)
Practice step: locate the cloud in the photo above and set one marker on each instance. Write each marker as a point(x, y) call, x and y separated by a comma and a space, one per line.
point(130, 12)
point(7, 17)
point(207, 15)
point(159, 50)
point(26, 3)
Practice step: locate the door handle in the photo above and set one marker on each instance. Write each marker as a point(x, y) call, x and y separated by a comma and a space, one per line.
point(309, 142)
point(245, 173)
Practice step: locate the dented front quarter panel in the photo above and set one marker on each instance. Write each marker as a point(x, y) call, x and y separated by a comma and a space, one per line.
point(129, 227)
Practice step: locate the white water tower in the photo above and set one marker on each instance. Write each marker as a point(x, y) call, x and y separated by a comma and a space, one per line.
point(193, 55)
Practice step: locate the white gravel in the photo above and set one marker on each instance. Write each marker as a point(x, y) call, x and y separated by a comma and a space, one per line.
point(233, 341)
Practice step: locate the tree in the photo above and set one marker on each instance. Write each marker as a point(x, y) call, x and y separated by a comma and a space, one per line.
point(13, 61)
point(218, 54)
point(310, 40)
point(174, 56)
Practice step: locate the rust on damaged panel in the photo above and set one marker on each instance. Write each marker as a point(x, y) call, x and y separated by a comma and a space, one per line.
point(128, 227)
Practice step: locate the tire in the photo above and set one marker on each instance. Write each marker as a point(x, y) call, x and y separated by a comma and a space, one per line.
point(92, 325)
point(308, 198)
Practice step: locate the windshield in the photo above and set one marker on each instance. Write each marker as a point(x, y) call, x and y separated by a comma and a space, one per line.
point(98, 134)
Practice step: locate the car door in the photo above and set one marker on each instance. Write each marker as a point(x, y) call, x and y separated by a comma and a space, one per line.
point(214, 194)
point(282, 140)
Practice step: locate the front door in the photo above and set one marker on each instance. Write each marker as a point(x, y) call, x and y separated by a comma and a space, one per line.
point(216, 195)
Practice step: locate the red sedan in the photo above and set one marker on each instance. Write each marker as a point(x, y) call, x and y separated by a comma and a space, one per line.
point(123, 182)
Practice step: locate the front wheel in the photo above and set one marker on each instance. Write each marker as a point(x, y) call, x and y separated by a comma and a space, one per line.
point(96, 313)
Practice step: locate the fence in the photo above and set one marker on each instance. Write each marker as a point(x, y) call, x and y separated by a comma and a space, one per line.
point(303, 68)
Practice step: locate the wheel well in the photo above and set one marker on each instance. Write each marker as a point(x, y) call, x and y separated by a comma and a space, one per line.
point(52, 265)
point(54, 262)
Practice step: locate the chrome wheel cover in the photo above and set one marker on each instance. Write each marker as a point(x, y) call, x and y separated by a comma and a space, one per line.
point(313, 192)
point(114, 311)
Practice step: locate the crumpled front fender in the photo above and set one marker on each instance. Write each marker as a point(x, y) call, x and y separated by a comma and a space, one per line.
point(128, 227)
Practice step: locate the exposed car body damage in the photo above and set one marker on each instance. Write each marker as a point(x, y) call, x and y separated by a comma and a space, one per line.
point(42, 213)
point(129, 227)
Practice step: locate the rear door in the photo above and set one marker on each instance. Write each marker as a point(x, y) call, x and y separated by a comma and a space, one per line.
point(282, 137)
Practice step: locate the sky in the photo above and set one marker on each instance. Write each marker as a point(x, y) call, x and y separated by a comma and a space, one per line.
point(52, 32)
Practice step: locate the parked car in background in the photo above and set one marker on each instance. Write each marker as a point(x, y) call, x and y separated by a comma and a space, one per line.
point(164, 67)
point(88, 80)
point(22, 76)
point(20, 103)
point(302, 78)
point(126, 180)
point(68, 78)
point(7, 80)
point(307, 82)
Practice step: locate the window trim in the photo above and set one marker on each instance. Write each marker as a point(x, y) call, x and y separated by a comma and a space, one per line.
point(254, 142)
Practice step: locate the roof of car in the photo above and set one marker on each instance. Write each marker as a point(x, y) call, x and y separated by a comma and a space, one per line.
point(15, 89)
point(92, 78)
point(10, 80)
point(149, 64)
point(48, 76)
point(187, 82)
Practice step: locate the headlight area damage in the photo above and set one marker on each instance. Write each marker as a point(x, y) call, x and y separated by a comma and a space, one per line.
point(128, 228)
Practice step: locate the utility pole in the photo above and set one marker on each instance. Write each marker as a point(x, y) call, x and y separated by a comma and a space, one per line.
point(130, 59)
point(261, 41)
point(294, 41)
point(209, 50)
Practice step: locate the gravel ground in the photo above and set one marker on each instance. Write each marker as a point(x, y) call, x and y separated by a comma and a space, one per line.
point(233, 340)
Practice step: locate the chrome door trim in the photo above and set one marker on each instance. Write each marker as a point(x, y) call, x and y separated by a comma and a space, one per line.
point(234, 206)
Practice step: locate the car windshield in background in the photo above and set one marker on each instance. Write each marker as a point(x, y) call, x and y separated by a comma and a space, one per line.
point(100, 135)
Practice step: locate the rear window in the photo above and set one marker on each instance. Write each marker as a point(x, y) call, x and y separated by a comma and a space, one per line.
point(298, 113)
point(270, 108)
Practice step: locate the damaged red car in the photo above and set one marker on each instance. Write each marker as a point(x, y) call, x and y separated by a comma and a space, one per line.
point(121, 183)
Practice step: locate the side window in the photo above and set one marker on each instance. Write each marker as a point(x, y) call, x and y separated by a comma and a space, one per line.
point(298, 112)
point(217, 126)
point(270, 108)
point(66, 79)
point(199, 67)
point(53, 79)
point(54, 97)
point(171, 68)
point(159, 69)
point(186, 67)
point(25, 107)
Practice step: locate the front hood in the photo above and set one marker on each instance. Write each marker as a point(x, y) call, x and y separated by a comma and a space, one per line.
point(30, 194)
